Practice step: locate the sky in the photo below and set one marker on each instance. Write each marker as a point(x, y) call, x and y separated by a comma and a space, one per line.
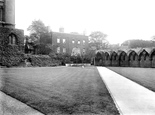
point(120, 20)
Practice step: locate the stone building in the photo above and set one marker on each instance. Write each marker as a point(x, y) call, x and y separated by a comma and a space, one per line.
point(67, 43)
point(9, 36)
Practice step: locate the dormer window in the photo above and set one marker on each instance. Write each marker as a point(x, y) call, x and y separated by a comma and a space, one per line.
point(12, 39)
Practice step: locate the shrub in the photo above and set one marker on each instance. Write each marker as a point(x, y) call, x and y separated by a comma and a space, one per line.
point(11, 56)
point(42, 60)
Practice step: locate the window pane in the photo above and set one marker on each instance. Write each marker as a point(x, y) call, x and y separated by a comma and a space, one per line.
point(58, 40)
point(58, 49)
point(83, 41)
point(13, 40)
point(64, 40)
point(64, 50)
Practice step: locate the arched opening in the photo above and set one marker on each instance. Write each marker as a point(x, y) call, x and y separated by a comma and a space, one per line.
point(144, 58)
point(12, 39)
point(123, 59)
point(107, 57)
point(143, 55)
point(114, 59)
point(133, 59)
point(98, 58)
point(152, 55)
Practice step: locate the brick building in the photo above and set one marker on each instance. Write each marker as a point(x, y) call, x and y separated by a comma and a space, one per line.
point(68, 43)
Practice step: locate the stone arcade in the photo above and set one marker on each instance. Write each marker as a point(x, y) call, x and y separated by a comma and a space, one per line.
point(140, 57)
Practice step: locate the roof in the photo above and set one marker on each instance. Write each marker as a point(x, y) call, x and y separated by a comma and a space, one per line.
point(69, 35)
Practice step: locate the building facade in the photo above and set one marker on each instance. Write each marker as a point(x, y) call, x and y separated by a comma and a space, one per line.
point(72, 44)
point(11, 39)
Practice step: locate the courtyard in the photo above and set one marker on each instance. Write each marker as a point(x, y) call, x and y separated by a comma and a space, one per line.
point(59, 90)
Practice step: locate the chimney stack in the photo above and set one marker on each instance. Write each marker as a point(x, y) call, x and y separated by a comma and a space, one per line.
point(61, 29)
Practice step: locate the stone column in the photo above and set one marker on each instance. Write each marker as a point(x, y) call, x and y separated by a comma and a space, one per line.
point(9, 9)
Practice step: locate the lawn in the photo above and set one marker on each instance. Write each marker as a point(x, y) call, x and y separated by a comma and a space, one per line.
point(59, 90)
point(142, 76)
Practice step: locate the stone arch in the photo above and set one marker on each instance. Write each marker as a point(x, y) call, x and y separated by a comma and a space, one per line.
point(98, 58)
point(107, 61)
point(12, 39)
point(123, 59)
point(107, 56)
point(133, 55)
point(144, 58)
point(114, 59)
point(133, 59)
point(114, 56)
point(143, 54)
point(152, 56)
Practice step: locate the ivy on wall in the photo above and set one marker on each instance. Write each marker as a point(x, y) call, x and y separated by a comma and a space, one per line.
point(11, 54)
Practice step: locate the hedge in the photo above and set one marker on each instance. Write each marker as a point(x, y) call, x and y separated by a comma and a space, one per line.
point(41, 60)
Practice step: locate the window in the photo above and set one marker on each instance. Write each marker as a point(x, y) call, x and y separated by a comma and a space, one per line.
point(84, 51)
point(58, 40)
point(79, 42)
point(64, 41)
point(73, 41)
point(12, 39)
point(84, 42)
point(64, 50)
point(58, 49)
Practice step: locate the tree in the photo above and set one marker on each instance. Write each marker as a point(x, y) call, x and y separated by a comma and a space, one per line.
point(38, 27)
point(40, 32)
point(97, 40)
point(40, 36)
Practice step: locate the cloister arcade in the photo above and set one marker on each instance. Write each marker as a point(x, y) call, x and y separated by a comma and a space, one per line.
point(126, 58)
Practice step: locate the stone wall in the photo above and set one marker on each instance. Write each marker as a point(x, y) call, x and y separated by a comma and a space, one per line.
point(140, 57)
point(11, 46)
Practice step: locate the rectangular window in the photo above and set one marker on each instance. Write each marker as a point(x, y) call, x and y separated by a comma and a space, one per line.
point(64, 41)
point(58, 49)
point(64, 50)
point(84, 42)
point(78, 41)
point(73, 41)
point(58, 40)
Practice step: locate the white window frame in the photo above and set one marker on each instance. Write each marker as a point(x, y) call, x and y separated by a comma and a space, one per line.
point(58, 40)
point(84, 42)
point(58, 49)
point(64, 50)
point(64, 41)
point(78, 41)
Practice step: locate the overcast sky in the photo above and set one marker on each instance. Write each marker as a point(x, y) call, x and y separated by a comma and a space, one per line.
point(119, 19)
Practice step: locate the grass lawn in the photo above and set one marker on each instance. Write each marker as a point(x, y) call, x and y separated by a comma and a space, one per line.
point(59, 90)
point(143, 76)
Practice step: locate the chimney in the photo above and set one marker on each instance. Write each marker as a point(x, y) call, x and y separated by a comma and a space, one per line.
point(61, 29)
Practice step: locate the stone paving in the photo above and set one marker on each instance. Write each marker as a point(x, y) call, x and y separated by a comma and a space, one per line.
point(130, 97)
